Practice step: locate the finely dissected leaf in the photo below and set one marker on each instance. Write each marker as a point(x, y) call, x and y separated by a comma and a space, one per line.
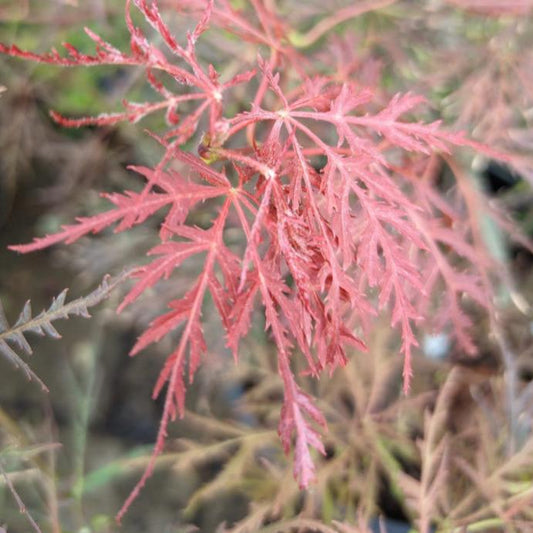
point(42, 323)
point(133, 208)
point(240, 316)
point(172, 255)
point(293, 423)
point(326, 208)
point(163, 324)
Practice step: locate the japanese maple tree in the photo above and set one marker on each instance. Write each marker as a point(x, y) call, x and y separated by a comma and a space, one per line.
point(332, 185)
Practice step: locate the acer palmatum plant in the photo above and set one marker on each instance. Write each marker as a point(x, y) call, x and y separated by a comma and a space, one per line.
point(324, 193)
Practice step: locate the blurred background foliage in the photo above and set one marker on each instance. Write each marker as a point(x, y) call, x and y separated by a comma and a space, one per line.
point(455, 455)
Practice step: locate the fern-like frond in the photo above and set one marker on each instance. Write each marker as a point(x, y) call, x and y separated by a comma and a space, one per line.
point(13, 338)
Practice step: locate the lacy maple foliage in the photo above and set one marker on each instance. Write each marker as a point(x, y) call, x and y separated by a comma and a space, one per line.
point(334, 194)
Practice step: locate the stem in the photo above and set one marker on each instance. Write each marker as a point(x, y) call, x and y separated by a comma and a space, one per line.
point(169, 409)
